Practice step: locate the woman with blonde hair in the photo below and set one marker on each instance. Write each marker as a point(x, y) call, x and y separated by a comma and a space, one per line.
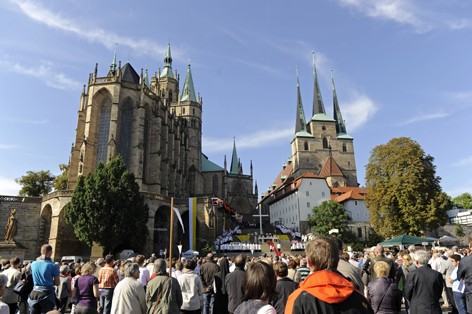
point(383, 294)
point(86, 291)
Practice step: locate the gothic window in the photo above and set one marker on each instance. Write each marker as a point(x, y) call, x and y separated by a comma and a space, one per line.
point(344, 147)
point(306, 145)
point(183, 110)
point(126, 125)
point(103, 131)
point(146, 147)
point(323, 128)
point(193, 111)
point(325, 142)
point(359, 232)
point(170, 96)
point(215, 185)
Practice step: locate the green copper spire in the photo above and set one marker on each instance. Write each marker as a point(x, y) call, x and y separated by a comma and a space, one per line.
point(167, 71)
point(234, 160)
point(113, 63)
point(340, 126)
point(300, 124)
point(188, 91)
point(318, 106)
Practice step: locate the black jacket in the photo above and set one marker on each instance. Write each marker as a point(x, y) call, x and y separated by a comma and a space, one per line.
point(384, 296)
point(284, 288)
point(234, 288)
point(423, 288)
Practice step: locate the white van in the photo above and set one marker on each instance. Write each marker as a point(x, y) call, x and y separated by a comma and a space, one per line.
point(70, 259)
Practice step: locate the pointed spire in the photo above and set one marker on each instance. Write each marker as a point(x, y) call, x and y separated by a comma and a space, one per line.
point(300, 125)
point(340, 126)
point(146, 78)
point(113, 63)
point(167, 71)
point(188, 91)
point(318, 106)
point(234, 159)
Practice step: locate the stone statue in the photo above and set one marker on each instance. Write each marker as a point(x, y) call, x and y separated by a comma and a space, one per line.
point(12, 226)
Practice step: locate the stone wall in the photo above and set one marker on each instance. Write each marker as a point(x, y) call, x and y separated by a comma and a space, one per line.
point(27, 213)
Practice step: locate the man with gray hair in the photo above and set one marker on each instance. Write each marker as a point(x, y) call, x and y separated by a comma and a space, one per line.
point(129, 295)
point(423, 286)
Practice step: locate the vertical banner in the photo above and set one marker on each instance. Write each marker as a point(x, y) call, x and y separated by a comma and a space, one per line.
point(192, 223)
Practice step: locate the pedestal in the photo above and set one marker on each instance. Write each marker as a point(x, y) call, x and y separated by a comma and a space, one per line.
point(12, 249)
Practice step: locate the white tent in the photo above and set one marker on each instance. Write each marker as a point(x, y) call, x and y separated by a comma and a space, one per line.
point(448, 240)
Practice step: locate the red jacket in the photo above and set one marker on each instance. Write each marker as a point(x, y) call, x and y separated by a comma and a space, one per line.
point(327, 292)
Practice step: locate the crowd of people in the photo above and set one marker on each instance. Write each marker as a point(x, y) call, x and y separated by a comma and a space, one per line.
point(322, 279)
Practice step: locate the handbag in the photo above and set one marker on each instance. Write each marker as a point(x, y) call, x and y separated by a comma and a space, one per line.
point(20, 288)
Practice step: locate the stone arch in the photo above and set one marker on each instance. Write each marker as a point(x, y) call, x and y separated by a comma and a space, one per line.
point(161, 229)
point(45, 220)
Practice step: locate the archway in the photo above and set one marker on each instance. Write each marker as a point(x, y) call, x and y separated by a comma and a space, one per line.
point(45, 224)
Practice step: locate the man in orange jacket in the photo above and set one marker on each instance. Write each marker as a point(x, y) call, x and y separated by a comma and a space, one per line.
point(325, 290)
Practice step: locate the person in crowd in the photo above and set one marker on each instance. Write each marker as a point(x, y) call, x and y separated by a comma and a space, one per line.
point(4, 309)
point(177, 269)
point(129, 295)
point(447, 272)
point(284, 287)
point(221, 295)
point(191, 287)
point(163, 293)
point(292, 268)
point(73, 297)
point(85, 290)
point(378, 256)
point(144, 274)
point(234, 283)
point(64, 288)
point(464, 272)
point(14, 276)
point(27, 277)
point(383, 295)
point(108, 279)
point(325, 290)
point(259, 289)
point(302, 271)
point(402, 271)
point(207, 274)
point(423, 286)
point(45, 276)
point(352, 273)
point(457, 287)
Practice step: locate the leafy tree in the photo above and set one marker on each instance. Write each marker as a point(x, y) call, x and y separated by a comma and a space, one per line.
point(403, 191)
point(459, 231)
point(107, 208)
point(60, 182)
point(35, 184)
point(463, 201)
point(328, 215)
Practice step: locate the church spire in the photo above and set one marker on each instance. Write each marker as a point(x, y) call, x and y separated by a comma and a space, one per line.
point(234, 160)
point(300, 124)
point(188, 91)
point(318, 106)
point(167, 71)
point(340, 126)
point(113, 63)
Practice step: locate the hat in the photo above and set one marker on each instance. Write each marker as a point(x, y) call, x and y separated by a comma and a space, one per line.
point(100, 261)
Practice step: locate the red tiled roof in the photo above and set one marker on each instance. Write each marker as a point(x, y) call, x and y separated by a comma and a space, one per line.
point(331, 169)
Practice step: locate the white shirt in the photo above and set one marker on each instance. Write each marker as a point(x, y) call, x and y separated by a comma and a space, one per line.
point(4, 309)
point(144, 276)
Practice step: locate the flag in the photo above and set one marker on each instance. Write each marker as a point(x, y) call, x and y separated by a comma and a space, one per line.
point(177, 213)
point(192, 223)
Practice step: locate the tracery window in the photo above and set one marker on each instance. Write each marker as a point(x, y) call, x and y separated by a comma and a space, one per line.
point(126, 125)
point(103, 131)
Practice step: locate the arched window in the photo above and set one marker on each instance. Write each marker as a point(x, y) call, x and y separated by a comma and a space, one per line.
point(126, 125)
point(325, 142)
point(306, 145)
point(183, 110)
point(344, 147)
point(215, 185)
point(170, 96)
point(103, 131)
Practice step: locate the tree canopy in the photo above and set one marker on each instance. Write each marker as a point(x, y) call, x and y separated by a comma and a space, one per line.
point(35, 184)
point(328, 215)
point(463, 201)
point(107, 208)
point(403, 191)
point(60, 181)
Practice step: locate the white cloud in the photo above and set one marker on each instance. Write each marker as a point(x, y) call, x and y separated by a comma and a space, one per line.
point(44, 72)
point(463, 162)
point(358, 111)
point(426, 117)
point(24, 121)
point(89, 33)
point(9, 187)
point(7, 146)
point(258, 139)
point(460, 96)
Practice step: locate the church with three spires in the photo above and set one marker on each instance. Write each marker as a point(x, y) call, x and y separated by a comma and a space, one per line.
point(321, 167)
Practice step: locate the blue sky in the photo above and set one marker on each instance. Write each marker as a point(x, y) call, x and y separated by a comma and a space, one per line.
point(401, 68)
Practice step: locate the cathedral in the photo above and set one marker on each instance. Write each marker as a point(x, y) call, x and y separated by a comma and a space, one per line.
point(156, 126)
point(322, 154)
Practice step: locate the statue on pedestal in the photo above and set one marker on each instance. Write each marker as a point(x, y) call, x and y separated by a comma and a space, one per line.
point(12, 226)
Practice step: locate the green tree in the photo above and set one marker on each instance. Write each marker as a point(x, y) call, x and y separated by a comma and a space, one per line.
point(60, 182)
point(107, 208)
point(459, 231)
point(35, 184)
point(463, 201)
point(328, 215)
point(403, 191)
